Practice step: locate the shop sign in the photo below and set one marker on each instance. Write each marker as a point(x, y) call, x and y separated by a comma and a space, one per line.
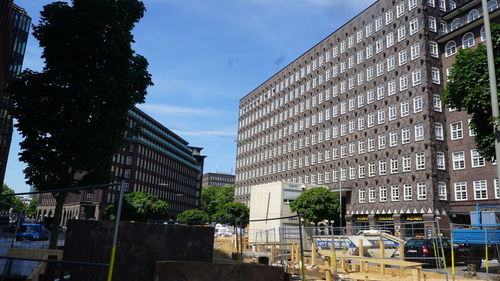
point(385, 218)
point(414, 218)
point(361, 218)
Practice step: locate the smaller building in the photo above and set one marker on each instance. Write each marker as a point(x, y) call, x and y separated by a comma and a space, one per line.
point(270, 201)
point(217, 179)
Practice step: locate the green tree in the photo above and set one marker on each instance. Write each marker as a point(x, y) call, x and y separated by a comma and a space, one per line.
point(11, 200)
point(317, 204)
point(30, 210)
point(72, 115)
point(212, 197)
point(139, 207)
point(468, 90)
point(193, 217)
point(232, 211)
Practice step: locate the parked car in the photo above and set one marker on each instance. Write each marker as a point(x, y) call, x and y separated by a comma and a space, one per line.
point(32, 231)
point(424, 250)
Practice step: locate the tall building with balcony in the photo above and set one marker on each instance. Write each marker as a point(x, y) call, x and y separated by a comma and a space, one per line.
point(360, 112)
point(473, 180)
point(14, 32)
point(156, 161)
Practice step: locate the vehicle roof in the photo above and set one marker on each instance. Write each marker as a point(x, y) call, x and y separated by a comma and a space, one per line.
point(31, 224)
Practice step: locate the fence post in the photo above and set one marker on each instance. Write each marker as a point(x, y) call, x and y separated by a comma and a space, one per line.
point(303, 269)
point(485, 228)
point(442, 249)
point(117, 229)
point(452, 251)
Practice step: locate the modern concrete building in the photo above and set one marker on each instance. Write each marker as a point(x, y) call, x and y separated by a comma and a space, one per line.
point(14, 31)
point(360, 110)
point(157, 161)
point(217, 179)
point(472, 179)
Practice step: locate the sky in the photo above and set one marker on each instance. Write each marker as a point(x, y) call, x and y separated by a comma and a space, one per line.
point(204, 56)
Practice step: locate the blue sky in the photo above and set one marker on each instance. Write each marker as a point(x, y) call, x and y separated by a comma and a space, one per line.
point(204, 56)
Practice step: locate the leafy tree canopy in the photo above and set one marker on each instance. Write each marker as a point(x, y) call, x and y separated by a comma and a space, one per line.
point(140, 207)
point(213, 197)
point(193, 217)
point(317, 204)
point(232, 211)
point(72, 115)
point(12, 200)
point(30, 210)
point(468, 90)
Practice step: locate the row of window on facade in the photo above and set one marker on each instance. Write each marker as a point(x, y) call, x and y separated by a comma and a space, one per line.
point(338, 110)
point(468, 41)
point(460, 192)
point(342, 47)
point(472, 15)
point(348, 84)
point(350, 127)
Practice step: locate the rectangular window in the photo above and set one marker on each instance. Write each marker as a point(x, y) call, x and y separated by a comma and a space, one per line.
point(379, 46)
point(401, 33)
point(388, 17)
point(436, 79)
point(372, 195)
point(415, 51)
point(394, 166)
point(458, 160)
point(436, 103)
point(371, 144)
point(381, 141)
point(480, 190)
point(412, 4)
point(419, 132)
point(420, 161)
point(414, 26)
point(439, 131)
point(405, 135)
point(393, 114)
point(432, 23)
point(408, 192)
point(371, 170)
point(405, 108)
point(477, 160)
point(382, 168)
point(418, 104)
point(460, 191)
point(378, 23)
point(400, 9)
point(403, 82)
point(381, 116)
point(391, 63)
point(361, 195)
point(440, 161)
point(370, 96)
point(389, 40)
point(383, 194)
point(407, 163)
point(456, 130)
point(421, 191)
point(368, 29)
point(416, 77)
point(394, 193)
point(434, 49)
point(443, 196)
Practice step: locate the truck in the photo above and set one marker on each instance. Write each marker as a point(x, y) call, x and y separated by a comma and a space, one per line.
point(481, 239)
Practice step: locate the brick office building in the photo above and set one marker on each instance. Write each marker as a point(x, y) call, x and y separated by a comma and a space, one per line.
point(362, 109)
point(472, 179)
point(157, 161)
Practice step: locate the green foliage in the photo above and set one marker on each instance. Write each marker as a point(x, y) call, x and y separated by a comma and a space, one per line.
point(468, 91)
point(193, 217)
point(232, 211)
point(317, 204)
point(72, 115)
point(30, 210)
point(213, 197)
point(12, 200)
point(139, 207)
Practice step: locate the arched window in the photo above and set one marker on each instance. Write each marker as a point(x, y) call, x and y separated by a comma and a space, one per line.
point(468, 40)
point(483, 34)
point(453, 5)
point(456, 23)
point(492, 5)
point(451, 48)
point(473, 15)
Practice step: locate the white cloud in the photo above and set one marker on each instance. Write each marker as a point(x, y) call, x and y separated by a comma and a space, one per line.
point(173, 110)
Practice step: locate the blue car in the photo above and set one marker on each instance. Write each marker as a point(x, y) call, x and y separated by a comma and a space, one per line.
point(32, 231)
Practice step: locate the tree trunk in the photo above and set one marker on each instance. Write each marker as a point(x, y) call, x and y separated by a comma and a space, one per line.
point(57, 219)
